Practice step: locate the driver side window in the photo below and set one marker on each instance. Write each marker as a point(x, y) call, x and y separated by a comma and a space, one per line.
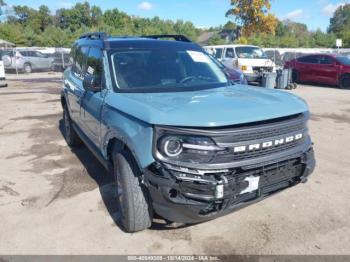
point(94, 65)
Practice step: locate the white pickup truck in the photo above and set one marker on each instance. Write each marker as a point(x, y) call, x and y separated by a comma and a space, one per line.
point(251, 60)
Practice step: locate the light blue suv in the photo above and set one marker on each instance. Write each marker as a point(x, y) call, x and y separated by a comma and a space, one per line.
point(180, 139)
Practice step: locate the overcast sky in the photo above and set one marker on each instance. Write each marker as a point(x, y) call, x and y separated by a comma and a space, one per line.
point(206, 13)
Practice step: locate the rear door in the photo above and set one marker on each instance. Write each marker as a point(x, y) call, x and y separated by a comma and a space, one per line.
point(43, 61)
point(326, 72)
point(74, 81)
point(32, 58)
point(92, 102)
point(305, 67)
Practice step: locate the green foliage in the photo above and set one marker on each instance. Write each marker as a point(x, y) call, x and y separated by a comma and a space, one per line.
point(41, 27)
point(340, 24)
point(230, 26)
point(216, 40)
point(292, 35)
point(33, 27)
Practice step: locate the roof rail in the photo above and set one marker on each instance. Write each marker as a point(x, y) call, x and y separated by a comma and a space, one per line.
point(175, 37)
point(95, 35)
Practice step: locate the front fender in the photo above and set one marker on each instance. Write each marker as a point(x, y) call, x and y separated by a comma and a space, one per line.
point(134, 133)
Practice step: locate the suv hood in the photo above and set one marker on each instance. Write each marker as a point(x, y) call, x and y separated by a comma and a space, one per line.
point(223, 106)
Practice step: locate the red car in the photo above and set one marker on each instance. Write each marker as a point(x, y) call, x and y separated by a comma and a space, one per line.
point(321, 68)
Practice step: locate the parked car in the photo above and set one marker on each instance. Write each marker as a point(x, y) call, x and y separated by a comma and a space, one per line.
point(180, 140)
point(251, 60)
point(61, 61)
point(331, 69)
point(235, 75)
point(26, 60)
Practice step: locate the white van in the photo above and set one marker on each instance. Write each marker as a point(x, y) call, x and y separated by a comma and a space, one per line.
point(251, 60)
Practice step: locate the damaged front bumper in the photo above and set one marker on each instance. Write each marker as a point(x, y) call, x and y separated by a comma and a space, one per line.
point(191, 196)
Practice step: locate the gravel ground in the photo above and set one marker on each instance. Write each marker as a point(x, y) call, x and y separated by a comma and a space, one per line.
point(57, 201)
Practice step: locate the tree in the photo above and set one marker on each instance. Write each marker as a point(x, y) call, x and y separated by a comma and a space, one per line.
point(340, 24)
point(340, 20)
point(230, 26)
point(44, 17)
point(253, 16)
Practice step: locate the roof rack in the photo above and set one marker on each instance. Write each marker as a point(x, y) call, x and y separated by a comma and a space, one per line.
point(175, 37)
point(96, 35)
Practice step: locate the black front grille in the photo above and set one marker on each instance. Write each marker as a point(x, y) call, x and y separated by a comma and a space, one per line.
point(272, 178)
point(230, 156)
point(262, 130)
point(258, 134)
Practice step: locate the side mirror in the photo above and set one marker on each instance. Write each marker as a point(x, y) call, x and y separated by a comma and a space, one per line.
point(92, 83)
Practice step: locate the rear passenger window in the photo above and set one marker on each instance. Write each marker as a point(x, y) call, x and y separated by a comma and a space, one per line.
point(94, 62)
point(80, 61)
point(309, 59)
point(230, 53)
point(326, 60)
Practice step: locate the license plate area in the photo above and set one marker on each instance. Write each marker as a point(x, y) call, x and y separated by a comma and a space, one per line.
point(253, 184)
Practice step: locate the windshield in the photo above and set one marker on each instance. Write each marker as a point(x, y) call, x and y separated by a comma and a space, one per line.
point(250, 52)
point(165, 68)
point(344, 60)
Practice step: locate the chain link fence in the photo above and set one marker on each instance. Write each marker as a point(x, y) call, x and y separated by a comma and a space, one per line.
point(20, 60)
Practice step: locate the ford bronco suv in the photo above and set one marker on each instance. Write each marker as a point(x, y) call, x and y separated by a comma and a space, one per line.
point(179, 138)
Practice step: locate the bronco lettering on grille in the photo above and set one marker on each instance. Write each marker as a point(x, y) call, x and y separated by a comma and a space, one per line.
point(267, 144)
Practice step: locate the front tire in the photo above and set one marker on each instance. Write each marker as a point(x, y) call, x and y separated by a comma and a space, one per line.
point(136, 210)
point(70, 135)
point(295, 76)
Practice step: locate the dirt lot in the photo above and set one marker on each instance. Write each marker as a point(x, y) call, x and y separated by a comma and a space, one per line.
point(57, 201)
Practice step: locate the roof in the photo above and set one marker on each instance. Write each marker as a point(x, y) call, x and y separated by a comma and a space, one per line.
point(225, 46)
point(325, 54)
point(135, 42)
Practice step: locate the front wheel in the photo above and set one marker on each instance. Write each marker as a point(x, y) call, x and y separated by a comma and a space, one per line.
point(70, 135)
point(345, 82)
point(295, 76)
point(133, 198)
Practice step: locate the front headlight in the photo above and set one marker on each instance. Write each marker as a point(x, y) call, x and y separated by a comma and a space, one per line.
point(185, 148)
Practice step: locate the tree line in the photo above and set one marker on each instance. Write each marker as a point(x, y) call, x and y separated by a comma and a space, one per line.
point(259, 27)
point(27, 26)
point(253, 24)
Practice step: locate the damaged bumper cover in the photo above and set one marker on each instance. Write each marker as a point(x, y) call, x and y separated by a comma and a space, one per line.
point(190, 196)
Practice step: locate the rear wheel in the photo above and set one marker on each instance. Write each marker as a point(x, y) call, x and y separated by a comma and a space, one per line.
point(345, 82)
point(27, 68)
point(133, 198)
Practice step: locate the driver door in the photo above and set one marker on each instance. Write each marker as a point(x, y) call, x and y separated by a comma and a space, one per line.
point(92, 102)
